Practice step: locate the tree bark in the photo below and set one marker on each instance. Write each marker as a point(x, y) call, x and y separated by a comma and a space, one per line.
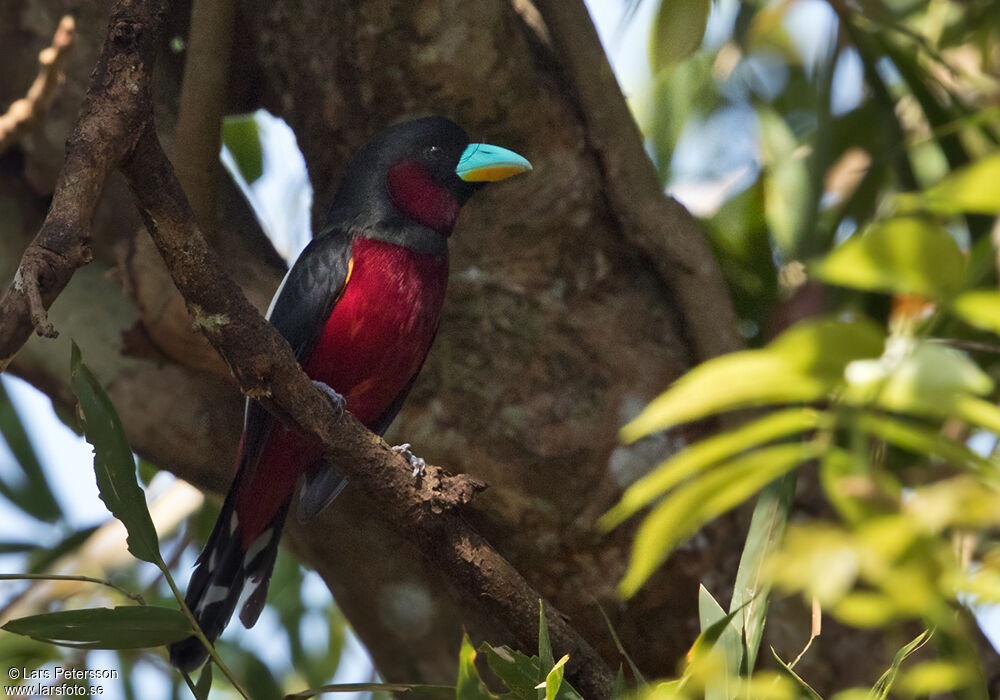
point(557, 326)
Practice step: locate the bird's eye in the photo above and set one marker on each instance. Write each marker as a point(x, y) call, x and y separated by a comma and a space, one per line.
point(433, 152)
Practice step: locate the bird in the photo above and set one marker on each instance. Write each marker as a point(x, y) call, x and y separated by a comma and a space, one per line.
point(360, 308)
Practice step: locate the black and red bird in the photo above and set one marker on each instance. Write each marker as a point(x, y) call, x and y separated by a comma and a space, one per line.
point(360, 308)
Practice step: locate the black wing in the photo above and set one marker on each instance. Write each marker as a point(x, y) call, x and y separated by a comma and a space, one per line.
point(301, 305)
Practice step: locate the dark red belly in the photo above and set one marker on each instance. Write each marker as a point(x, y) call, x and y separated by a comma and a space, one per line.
point(371, 346)
point(381, 329)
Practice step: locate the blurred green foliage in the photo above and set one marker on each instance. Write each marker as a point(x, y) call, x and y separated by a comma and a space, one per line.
point(861, 265)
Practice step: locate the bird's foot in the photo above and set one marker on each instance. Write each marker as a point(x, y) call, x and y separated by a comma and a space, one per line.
point(337, 400)
point(418, 463)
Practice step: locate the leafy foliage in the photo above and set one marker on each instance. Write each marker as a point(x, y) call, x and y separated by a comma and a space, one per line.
point(863, 233)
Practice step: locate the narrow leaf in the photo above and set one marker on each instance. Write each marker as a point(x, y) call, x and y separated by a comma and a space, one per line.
point(35, 497)
point(903, 255)
point(723, 686)
point(636, 673)
point(394, 688)
point(751, 590)
point(204, 685)
point(113, 462)
point(620, 689)
point(980, 308)
point(685, 511)
point(977, 411)
point(801, 365)
point(881, 689)
point(805, 687)
point(709, 636)
point(128, 627)
point(518, 671)
point(469, 686)
point(546, 659)
point(554, 678)
point(971, 189)
point(923, 440)
point(708, 452)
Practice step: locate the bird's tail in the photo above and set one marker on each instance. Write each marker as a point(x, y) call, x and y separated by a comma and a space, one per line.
point(223, 570)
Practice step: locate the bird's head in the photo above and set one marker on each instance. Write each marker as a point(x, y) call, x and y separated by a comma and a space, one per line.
point(419, 172)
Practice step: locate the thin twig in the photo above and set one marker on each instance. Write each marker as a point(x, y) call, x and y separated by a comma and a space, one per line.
point(213, 654)
point(84, 579)
point(112, 116)
point(28, 111)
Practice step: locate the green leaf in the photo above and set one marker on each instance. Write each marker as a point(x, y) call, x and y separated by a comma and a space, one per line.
point(42, 557)
point(128, 627)
point(900, 256)
point(554, 678)
point(519, 671)
point(34, 496)
point(545, 657)
point(915, 376)
point(636, 673)
point(980, 308)
point(682, 513)
point(723, 686)
point(802, 365)
point(241, 136)
point(114, 464)
point(787, 184)
point(971, 189)
point(677, 31)
point(805, 687)
point(979, 412)
point(204, 685)
point(709, 636)
point(751, 590)
point(839, 471)
point(409, 688)
point(923, 440)
point(250, 671)
point(938, 676)
point(470, 686)
point(18, 547)
point(865, 610)
point(710, 451)
point(884, 684)
point(620, 689)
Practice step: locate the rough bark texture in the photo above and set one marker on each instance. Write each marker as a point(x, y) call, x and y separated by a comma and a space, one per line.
point(557, 328)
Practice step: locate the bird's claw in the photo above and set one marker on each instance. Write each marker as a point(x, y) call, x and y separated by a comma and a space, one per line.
point(337, 400)
point(418, 463)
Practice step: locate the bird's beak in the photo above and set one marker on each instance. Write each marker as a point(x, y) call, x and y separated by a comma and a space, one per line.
point(482, 162)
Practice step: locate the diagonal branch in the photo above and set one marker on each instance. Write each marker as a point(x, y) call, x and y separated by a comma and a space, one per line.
point(115, 129)
point(114, 112)
point(657, 225)
point(266, 369)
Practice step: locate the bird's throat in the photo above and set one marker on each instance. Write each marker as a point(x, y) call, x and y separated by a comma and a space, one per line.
point(419, 198)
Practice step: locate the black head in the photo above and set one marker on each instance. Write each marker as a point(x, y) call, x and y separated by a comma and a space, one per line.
point(406, 175)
